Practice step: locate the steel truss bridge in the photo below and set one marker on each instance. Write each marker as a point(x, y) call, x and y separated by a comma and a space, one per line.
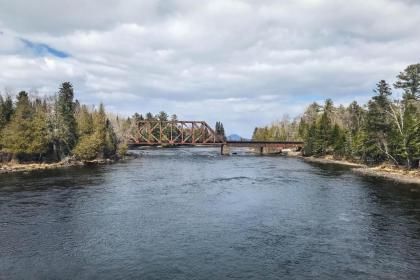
point(196, 133)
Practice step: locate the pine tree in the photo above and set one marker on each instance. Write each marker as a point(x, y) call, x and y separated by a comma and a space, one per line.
point(220, 130)
point(310, 137)
point(101, 143)
point(18, 134)
point(406, 115)
point(84, 122)
point(41, 140)
point(338, 140)
point(409, 81)
point(2, 115)
point(149, 116)
point(6, 110)
point(162, 116)
point(378, 125)
point(65, 129)
point(255, 134)
point(174, 117)
point(324, 129)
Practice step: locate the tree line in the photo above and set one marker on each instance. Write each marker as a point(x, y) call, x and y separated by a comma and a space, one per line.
point(53, 128)
point(386, 129)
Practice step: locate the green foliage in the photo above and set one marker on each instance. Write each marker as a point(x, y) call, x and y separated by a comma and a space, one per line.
point(409, 81)
point(88, 147)
point(41, 139)
point(122, 149)
point(98, 141)
point(385, 130)
point(162, 116)
point(6, 110)
point(220, 130)
point(22, 135)
point(65, 128)
point(84, 121)
point(283, 130)
point(34, 130)
point(16, 133)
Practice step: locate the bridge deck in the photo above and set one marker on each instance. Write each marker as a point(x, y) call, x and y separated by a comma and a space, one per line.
point(263, 143)
point(229, 143)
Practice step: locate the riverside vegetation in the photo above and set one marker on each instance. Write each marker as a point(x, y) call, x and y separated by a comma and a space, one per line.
point(56, 131)
point(55, 128)
point(40, 133)
point(386, 130)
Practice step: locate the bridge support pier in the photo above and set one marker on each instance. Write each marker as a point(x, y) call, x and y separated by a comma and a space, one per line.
point(225, 150)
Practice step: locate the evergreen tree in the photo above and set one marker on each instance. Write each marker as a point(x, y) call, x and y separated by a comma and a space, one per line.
point(18, 134)
point(101, 143)
point(406, 115)
point(149, 116)
point(324, 129)
point(338, 140)
point(310, 136)
point(41, 140)
point(254, 134)
point(84, 122)
point(162, 116)
point(409, 81)
point(2, 115)
point(6, 110)
point(378, 126)
point(137, 117)
point(220, 130)
point(65, 130)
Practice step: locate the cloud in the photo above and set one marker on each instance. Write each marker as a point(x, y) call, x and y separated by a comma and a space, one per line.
point(245, 63)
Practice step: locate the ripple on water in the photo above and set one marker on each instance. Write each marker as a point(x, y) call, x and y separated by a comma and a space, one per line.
point(193, 214)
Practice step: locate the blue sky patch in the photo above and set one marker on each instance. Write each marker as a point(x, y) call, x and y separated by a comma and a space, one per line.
point(43, 49)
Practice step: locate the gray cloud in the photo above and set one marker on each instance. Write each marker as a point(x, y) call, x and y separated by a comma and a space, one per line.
point(243, 62)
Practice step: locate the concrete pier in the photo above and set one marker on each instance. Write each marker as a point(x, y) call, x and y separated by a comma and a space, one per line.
point(225, 150)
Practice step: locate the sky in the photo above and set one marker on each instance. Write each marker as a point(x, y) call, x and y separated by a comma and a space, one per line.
point(245, 63)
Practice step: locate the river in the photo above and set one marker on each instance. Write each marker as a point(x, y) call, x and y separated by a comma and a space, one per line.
point(190, 213)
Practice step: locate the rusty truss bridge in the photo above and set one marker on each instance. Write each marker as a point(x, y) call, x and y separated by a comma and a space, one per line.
point(197, 133)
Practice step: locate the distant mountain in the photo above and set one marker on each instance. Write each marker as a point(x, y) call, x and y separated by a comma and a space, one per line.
point(236, 137)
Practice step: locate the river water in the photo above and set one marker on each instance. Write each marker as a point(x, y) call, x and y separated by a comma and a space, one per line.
point(193, 214)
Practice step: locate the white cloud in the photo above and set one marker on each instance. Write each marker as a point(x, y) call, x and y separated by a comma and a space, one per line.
point(242, 62)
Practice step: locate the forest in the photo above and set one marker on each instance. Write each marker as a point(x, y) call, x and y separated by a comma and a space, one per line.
point(386, 129)
point(58, 127)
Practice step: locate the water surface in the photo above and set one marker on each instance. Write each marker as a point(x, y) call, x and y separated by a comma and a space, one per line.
point(193, 214)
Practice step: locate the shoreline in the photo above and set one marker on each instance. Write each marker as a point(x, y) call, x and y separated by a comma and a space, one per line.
point(382, 171)
point(28, 167)
point(333, 161)
point(392, 173)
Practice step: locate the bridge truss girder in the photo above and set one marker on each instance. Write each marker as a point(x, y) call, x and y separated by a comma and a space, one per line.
point(156, 133)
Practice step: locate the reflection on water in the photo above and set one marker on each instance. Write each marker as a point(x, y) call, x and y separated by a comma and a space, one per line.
point(190, 213)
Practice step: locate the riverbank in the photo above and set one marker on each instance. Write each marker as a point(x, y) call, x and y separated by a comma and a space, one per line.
point(28, 167)
point(69, 162)
point(397, 174)
point(333, 161)
point(392, 173)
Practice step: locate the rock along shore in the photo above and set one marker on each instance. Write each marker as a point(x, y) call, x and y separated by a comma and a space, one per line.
point(69, 162)
point(393, 173)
